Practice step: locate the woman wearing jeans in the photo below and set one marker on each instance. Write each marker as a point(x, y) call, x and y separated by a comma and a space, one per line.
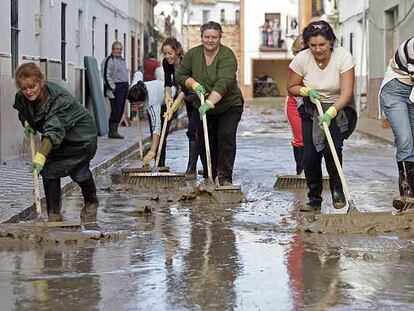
point(397, 102)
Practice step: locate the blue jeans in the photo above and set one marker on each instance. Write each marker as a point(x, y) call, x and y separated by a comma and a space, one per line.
point(395, 103)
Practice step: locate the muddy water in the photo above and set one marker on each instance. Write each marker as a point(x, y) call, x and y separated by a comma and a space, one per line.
point(194, 255)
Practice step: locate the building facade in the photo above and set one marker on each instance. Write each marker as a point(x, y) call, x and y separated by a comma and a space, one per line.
point(267, 33)
point(57, 35)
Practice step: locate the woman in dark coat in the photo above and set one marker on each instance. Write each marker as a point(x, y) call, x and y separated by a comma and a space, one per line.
point(69, 138)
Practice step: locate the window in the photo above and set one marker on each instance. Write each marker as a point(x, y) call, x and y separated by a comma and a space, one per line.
point(93, 35)
point(63, 39)
point(14, 23)
point(271, 32)
point(133, 55)
point(106, 40)
point(222, 16)
point(206, 14)
point(237, 19)
point(79, 31)
point(351, 43)
point(116, 34)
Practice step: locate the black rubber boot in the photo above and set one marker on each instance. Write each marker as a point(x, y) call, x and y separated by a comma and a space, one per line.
point(403, 187)
point(192, 160)
point(298, 154)
point(314, 183)
point(113, 132)
point(338, 197)
point(53, 199)
point(89, 210)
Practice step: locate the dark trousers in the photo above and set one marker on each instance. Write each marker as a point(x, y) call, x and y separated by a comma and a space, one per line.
point(193, 121)
point(164, 145)
point(312, 160)
point(222, 129)
point(118, 103)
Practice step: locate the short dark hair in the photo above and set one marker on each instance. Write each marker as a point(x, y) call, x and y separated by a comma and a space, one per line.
point(319, 28)
point(138, 92)
point(211, 25)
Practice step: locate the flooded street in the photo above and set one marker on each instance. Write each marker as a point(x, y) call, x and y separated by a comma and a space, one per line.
point(176, 254)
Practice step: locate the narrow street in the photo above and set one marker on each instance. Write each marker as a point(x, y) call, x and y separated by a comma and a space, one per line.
point(193, 255)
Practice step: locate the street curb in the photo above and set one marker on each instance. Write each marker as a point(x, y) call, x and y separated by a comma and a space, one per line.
point(374, 136)
point(29, 212)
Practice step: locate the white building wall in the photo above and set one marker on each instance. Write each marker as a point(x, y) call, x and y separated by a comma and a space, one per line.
point(254, 17)
point(351, 22)
point(230, 8)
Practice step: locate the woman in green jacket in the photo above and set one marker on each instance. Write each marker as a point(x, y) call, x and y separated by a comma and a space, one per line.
point(69, 138)
point(210, 70)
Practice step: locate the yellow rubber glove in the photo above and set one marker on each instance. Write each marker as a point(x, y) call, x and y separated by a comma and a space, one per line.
point(327, 116)
point(28, 129)
point(202, 110)
point(148, 157)
point(313, 94)
point(38, 162)
point(198, 89)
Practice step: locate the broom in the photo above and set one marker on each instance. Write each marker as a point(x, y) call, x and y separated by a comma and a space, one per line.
point(156, 176)
point(234, 190)
point(289, 181)
point(126, 171)
point(40, 221)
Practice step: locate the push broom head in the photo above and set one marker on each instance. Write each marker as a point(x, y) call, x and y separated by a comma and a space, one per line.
point(284, 181)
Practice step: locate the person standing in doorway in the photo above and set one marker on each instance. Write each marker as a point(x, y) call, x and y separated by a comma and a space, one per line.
point(115, 76)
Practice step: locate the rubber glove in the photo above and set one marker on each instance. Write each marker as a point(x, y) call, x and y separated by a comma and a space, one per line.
point(313, 94)
point(327, 116)
point(28, 129)
point(148, 157)
point(202, 110)
point(198, 89)
point(38, 162)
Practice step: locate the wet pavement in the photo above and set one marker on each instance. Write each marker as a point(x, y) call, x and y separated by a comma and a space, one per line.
point(191, 254)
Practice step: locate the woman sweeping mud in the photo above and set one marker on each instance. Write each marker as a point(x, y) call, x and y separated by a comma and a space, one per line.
point(326, 72)
point(69, 138)
point(210, 70)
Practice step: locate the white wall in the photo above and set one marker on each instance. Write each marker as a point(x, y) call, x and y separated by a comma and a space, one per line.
point(196, 12)
point(254, 16)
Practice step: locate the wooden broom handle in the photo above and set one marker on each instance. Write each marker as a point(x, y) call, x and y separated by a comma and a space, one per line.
point(161, 142)
point(334, 154)
point(207, 143)
point(35, 179)
point(141, 148)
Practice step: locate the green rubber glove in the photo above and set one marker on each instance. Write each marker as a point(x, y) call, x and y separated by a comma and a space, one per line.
point(202, 110)
point(327, 116)
point(198, 89)
point(38, 163)
point(313, 94)
point(28, 129)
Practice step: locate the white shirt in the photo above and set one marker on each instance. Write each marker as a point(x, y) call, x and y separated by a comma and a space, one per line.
point(326, 81)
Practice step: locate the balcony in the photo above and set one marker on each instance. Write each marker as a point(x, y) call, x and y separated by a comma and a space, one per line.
point(271, 40)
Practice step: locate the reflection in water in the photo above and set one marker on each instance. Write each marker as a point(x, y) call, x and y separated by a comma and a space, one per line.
point(58, 279)
point(210, 266)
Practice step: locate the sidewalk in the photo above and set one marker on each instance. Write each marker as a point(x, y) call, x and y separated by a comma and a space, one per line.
point(373, 128)
point(16, 183)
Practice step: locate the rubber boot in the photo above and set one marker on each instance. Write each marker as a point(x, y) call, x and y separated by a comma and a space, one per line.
point(403, 187)
point(191, 173)
point(338, 197)
point(53, 199)
point(298, 154)
point(91, 203)
point(314, 183)
point(113, 132)
point(409, 170)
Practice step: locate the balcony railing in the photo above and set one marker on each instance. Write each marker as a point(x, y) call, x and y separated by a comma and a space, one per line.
point(271, 39)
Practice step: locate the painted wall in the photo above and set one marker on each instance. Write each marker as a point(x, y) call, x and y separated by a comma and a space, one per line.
point(254, 17)
point(45, 42)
